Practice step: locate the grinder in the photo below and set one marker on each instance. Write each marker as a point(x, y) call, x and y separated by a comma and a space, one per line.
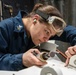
point(48, 49)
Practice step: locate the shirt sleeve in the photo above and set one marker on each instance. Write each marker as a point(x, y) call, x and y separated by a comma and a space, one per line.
point(11, 62)
point(8, 60)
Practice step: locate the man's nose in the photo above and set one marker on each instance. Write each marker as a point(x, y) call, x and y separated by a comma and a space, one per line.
point(46, 39)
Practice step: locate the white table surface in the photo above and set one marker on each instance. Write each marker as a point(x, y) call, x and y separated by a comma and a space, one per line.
point(34, 70)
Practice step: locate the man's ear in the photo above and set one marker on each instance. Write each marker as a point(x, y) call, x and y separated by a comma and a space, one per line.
point(35, 18)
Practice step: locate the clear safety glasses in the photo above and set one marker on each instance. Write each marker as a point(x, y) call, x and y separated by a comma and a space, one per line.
point(57, 23)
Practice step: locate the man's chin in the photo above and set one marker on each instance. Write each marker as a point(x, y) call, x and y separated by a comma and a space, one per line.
point(36, 43)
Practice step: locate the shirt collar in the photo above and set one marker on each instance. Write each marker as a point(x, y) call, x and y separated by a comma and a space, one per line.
point(19, 27)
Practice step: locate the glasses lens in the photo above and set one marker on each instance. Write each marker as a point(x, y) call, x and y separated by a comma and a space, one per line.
point(57, 24)
point(59, 33)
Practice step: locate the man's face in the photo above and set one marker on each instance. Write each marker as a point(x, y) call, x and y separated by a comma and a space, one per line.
point(41, 32)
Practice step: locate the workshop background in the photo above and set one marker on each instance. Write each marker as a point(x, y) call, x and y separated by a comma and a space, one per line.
point(10, 8)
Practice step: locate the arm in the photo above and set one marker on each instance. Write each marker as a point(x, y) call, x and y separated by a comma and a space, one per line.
point(69, 35)
point(11, 62)
point(8, 61)
point(14, 61)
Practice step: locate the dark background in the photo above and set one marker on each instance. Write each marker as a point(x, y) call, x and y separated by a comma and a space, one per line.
point(15, 6)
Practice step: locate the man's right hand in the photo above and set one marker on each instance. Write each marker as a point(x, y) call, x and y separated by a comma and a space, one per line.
point(69, 53)
point(29, 59)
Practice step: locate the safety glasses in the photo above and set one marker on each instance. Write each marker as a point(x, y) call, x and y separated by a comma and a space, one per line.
point(57, 23)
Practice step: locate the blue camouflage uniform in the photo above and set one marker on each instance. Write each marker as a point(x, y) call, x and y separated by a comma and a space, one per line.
point(14, 41)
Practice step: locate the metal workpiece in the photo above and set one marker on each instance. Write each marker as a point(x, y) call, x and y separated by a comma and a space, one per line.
point(51, 70)
point(47, 49)
point(43, 56)
point(48, 46)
